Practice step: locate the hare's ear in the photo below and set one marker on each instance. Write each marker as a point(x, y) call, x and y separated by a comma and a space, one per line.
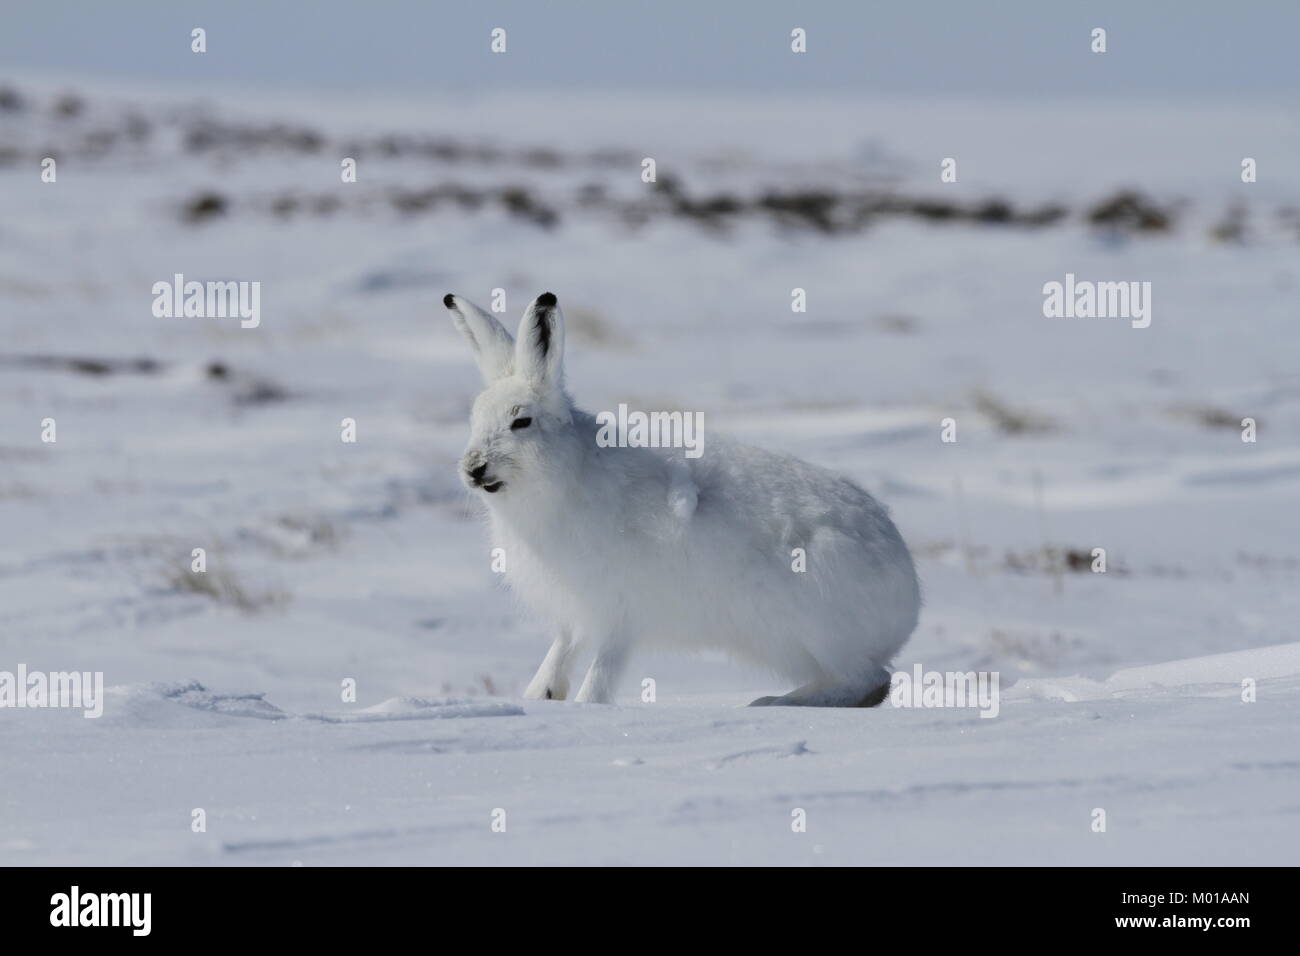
point(494, 349)
point(539, 349)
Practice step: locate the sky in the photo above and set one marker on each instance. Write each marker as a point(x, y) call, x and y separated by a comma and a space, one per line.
point(1018, 48)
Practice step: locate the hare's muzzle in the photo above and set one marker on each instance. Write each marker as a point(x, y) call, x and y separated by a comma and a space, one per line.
point(479, 478)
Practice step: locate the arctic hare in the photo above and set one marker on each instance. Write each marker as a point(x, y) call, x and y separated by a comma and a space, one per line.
point(617, 547)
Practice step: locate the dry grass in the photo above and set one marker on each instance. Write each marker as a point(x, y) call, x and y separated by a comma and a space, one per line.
point(1210, 416)
point(1032, 650)
point(1012, 421)
point(590, 327)
point(299, 535)
point(223, 586)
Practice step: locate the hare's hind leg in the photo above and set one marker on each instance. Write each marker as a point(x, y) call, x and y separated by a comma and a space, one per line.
point(868, 693)
point(552, 679)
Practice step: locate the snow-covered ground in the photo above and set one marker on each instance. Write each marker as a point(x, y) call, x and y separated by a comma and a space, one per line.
point(330, 561)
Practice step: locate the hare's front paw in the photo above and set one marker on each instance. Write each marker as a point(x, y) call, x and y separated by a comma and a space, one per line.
point(551, 682)
point(547, 687)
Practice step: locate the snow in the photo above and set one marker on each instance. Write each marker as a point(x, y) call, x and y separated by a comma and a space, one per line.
point(1186, 778)
point(1197, 674)
point(331, 561)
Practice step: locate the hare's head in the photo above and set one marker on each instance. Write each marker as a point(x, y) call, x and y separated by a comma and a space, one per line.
point(520, 418)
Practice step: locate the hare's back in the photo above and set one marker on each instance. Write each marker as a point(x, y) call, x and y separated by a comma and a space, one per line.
point(774, 493)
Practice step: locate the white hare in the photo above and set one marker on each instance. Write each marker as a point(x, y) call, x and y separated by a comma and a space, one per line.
point(618, 547)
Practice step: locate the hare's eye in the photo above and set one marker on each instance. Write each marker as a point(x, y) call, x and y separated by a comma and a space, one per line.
point(520, 423)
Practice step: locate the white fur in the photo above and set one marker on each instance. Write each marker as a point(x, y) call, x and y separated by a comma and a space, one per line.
point(620, 547)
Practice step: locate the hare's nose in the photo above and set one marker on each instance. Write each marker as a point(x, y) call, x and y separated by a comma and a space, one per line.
point(479, 472)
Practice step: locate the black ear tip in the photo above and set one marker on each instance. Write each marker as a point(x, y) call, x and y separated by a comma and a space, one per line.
point(449, 300)
point(547, 299)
